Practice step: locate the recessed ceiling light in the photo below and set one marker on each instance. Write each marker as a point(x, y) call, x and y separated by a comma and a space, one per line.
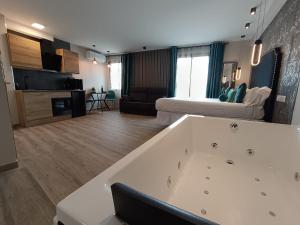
point(247, 25)
point(38, 26)
point(253, 11)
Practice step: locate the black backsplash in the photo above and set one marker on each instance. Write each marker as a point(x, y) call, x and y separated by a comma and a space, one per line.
point(39, 80)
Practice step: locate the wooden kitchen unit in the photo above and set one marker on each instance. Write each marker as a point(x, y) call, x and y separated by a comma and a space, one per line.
point(70, 61)
point(24, 52)
point(35, 107)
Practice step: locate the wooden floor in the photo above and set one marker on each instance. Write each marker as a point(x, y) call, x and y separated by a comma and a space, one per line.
point(56, 159)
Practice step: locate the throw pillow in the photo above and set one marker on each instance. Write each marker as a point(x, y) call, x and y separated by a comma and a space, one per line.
point(223, 98)
point(231, 95)
point(240, 93)
point(227, 90)
point(257, 96)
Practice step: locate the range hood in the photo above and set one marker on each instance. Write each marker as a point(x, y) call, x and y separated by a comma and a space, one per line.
point(50, 60)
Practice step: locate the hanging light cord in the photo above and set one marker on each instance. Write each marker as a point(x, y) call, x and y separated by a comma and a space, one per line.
point(263, 23)
point(256, 36)
point(240, 53)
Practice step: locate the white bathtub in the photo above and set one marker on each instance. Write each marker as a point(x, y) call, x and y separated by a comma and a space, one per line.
point(248, 175)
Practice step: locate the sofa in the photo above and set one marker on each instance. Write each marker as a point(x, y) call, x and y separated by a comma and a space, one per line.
point(141, 101)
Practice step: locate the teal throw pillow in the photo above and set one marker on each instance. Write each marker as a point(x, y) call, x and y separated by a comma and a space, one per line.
point(223, 98)
point(227, 91)
point(240, 93)
point(231, 95)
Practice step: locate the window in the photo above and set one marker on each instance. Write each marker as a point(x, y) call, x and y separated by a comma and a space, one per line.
point(192, 72)
point(115, 76)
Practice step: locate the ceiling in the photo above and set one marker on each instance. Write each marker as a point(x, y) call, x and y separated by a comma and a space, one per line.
point(127, 25)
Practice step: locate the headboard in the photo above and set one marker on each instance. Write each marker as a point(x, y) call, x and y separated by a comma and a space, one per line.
point(267, 74)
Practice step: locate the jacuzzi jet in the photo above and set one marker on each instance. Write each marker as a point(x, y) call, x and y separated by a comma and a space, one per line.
point(186, 151)
point(169, 181)
point(209, 167)
point(272, 213)
point(250, 152)
point(297, 176)
point(257, 179)
point(234, 125)
point(179, 165)
point(263, 193)
point(206, 192)
point(214, 145)
point(207, 178)
point(203, 211)
point(230, 162)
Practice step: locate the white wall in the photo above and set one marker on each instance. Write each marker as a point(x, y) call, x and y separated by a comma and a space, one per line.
point(7, 145)
point(240, 52)
point(8, 73)
point(296, 113)
point(91, 74)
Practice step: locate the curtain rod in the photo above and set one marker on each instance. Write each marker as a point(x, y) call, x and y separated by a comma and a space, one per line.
point(179, 47)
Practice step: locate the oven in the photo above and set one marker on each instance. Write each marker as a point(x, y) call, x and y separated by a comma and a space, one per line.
point(61, 106)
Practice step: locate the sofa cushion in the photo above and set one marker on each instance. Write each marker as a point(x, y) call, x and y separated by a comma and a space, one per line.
point(156, 93)
point(138, 95)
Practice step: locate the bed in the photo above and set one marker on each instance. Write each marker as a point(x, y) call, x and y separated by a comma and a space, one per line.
point(171, 109)
point(266, 74)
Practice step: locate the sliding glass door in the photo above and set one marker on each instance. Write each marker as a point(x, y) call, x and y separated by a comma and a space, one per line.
point(192, 72)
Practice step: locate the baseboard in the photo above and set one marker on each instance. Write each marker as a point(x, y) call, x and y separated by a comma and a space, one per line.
point(9, 166)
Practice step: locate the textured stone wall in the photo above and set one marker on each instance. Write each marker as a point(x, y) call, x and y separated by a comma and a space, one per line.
point(284, 32)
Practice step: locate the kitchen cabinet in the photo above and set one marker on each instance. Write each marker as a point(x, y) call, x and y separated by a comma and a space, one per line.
point(24, 52)
point(70, 61)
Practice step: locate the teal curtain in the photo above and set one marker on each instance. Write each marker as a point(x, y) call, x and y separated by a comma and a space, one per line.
point(173, 67)
point(216, 58)
point(126, 61)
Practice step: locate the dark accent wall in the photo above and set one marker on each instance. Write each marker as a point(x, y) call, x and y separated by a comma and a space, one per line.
point(151, 69)
point(284, 32)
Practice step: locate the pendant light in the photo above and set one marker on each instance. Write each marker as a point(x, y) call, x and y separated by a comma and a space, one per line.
point(238, 73)
point(224, 79)
point(94, 60)
point(257, 47)
point(256, 52)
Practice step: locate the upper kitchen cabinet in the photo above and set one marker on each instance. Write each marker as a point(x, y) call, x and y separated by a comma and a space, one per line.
point(70, 61)
point(24, 52)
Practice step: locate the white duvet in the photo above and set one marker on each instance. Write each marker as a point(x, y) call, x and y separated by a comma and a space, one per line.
point(210, 107)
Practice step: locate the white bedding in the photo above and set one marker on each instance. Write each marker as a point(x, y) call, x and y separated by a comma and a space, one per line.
point(208, 107)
